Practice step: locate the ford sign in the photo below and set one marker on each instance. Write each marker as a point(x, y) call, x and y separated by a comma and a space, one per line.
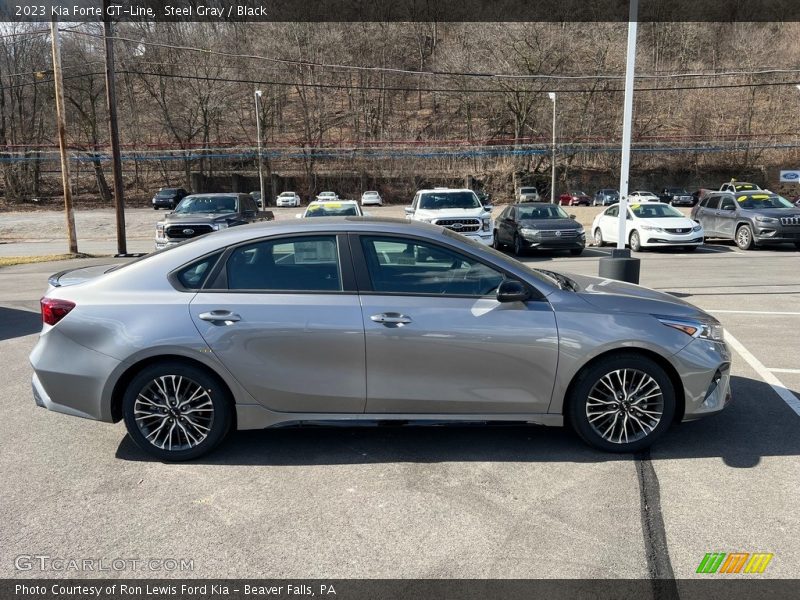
point(790, 176)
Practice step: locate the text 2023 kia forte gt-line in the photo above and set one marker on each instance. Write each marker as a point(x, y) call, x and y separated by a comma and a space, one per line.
point(367, 320)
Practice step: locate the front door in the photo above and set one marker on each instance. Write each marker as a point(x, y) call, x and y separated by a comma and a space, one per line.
point(725, 221)
point(437, 340)
point(286, 327)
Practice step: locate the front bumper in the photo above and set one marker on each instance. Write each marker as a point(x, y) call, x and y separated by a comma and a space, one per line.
point(659, 238)
point(287, 203)
point(776, 234)
point(69, 378)
point(705, 370)
point(554, 243)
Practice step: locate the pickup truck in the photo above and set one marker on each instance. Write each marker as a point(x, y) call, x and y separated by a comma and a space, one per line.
point(199, 214)
point(676, 196)
point(459, 210)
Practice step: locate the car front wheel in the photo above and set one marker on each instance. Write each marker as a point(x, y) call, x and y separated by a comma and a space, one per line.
point(622, 403)
point(598, 238)
point(496, 241)
point(519, 248)
point(635, 242)
point(176, 411)
point(744, 237)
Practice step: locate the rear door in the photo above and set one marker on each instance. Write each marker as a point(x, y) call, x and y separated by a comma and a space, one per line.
point(284, 318)
point(437, 340)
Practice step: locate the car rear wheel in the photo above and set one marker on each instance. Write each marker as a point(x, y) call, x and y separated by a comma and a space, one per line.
point(622, 403)
point(744, 237)
point(635, 242)
point(176, 411)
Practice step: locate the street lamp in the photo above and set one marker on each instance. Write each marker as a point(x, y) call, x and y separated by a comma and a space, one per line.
point(256, 97)
point(620, 265)
point(552, 96)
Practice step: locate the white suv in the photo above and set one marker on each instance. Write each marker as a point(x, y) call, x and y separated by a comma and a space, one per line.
point(458, 210)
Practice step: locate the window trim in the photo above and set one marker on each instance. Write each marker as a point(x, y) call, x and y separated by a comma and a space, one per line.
point(364, 281)
point(217, 282)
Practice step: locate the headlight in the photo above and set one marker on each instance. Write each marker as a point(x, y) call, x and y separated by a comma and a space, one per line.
point(706, 330)
point(531, 232)
point(487, 224)
point(651, 228)
point(770, 220)
point(159, 230)
point(220, 225)
point(697, 228)
point(580, 229)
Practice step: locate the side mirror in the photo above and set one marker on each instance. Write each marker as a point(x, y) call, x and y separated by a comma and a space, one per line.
point(487, 207)
point(409, 210)
point(512, 290)
point(573, 217)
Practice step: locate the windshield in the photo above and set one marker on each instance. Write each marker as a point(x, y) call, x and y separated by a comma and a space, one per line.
point(527, 190)
point(744, 187)
point(167, 192)
point(609, 192)
point(287, 194)
point(436, 201)
point(654, 211)
point(756, 201)
point(207, 204)
point(548, 211)
point(327, 195)
point(332, 209)
point(577, 193)
point(676, 191)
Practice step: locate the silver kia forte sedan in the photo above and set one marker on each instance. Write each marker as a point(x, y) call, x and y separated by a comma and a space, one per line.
point(367, 320)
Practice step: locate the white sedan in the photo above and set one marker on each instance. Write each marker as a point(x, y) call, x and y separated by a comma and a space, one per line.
point(287, 199)
point(649, 225)
point(642, 196)
point(371, 198)
point(327, 197)
point(342, 208)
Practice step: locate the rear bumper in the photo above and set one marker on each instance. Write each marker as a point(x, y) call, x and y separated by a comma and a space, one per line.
point(69, 378)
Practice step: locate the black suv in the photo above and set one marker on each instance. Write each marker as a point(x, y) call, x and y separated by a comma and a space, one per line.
point(751, 218)
point(676, 196)
point(168, 198)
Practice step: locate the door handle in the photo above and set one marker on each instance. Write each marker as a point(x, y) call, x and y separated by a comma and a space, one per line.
point(391, 319)
point(220, 316)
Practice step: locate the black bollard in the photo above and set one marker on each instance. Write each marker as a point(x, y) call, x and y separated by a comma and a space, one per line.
point(620, 266)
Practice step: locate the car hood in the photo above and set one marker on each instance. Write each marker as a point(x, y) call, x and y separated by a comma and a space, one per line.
point(609, 295)
point(79, 275)
point(668, 222)
point(550, 223)
point(773, 212)
point(196, 217)
point(450, 213)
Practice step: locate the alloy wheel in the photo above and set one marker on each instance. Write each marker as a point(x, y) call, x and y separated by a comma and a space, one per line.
point(625, 406)
point(744, 238)
point(174, 412)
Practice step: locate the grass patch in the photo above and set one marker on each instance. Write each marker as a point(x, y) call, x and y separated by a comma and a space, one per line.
point(7, 261)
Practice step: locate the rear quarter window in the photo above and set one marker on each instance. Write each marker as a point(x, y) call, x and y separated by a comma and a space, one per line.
point(194, 276)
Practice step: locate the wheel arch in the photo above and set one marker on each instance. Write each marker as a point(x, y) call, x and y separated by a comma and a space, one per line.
point(661, 361)
point(121, 384)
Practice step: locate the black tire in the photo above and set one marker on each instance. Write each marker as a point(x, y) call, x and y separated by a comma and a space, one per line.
point(217, 424)
point(576, 251)
point(583, 386)
point(598, 238)
point(155, 208)
point(690, 248)
point(635, 242)
point(744, 237)
point(797, 245)
point(519, 248)
point(496, 241)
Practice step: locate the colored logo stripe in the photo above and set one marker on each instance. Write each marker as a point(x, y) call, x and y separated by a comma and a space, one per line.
point(735, 562)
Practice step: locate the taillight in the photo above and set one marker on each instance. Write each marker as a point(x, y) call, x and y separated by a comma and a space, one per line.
point(53, 309)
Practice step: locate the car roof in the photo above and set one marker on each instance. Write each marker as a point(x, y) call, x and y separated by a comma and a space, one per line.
point(217, 194)
point(443, 190)
point(338, 202)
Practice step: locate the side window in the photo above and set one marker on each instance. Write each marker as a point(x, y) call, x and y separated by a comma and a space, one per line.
point(703, 202)
point(613, 211)
point(193, 277)
point(713, 203)
point(398, 266)
point(728, 204)
point(306, 264)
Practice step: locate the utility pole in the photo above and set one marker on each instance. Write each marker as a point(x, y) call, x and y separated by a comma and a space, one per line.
point(552, 96)
point(116, 164)
point(62, 138)
point(256, 97)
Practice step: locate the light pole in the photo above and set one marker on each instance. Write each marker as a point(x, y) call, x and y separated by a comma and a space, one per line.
point(552, 96)
point(620, 265)
point(256, 97)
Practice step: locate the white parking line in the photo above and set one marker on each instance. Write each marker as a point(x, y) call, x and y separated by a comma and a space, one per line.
point(765, 374)
point(794, 371)
point(752, 312)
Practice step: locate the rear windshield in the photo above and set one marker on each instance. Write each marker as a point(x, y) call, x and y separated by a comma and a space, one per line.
point(332, 209)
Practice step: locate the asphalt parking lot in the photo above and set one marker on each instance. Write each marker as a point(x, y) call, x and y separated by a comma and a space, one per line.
point(430, 502)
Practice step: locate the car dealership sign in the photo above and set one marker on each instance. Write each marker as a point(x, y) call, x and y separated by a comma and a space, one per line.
point(790, 176)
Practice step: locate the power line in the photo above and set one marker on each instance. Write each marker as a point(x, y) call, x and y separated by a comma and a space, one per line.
point(399, 71)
